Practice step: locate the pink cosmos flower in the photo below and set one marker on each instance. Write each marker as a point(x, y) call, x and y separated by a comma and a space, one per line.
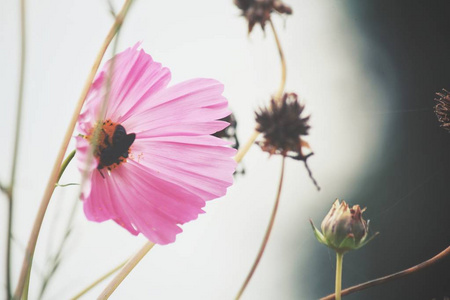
point(156, 162)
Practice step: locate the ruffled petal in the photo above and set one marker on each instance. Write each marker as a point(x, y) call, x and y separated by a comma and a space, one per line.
point(201, 164)
point(138, 199)
point(188, 108)
point(136, 77)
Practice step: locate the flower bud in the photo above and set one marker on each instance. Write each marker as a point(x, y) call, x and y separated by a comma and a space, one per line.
point(343, 228)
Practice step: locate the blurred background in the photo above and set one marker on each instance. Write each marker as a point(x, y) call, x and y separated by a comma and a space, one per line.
point(367, 72)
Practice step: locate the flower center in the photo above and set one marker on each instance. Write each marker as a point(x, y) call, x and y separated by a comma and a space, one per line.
point(113, 145)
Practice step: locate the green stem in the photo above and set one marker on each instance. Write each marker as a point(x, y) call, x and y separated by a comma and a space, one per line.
point(10, 190)
point(31, 246)
point(266, 236)
point(338, 286)
point(65, 164)
point(55, 263)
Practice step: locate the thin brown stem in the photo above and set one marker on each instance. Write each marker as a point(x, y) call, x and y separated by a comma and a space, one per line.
point(267, 235)
point(10, 189)
point(26, 265)
point(243, 150)
point(129, 266)
point(283, 63)
point(387, 278)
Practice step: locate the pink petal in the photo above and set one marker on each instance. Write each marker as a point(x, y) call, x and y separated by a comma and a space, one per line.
point(135, 78)
point(199, 163)
point(137, 199)
point(188, 108)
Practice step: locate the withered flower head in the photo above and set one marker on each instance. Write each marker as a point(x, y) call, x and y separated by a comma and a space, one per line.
point(282, 125)
point(442, 109)
point(258, 11)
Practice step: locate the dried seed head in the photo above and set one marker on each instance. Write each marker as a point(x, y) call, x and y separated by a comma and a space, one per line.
point(282, 126)
point(258, 11)
point(442, 109)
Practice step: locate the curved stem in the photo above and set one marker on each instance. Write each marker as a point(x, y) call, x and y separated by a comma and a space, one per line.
point(243, 151)
point(267, 235)
point(283, 62)
point(387, 278)
point(10, 190)
point(99, 280)
point(129, 266)
point(338, 283)
point(26, 265)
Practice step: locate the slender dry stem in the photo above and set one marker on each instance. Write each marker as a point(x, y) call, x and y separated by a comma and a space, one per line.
point(129, 266)
point(266, 236)
point(243, 150)
point(283, 63)
point(55, 171)
point(99, 280)
point(10, 189)
point(388, 278)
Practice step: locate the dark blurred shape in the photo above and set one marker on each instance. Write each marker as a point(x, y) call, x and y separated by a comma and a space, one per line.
point(442, 109)
point(408, 187)
point(229, 133)
point(258, 11)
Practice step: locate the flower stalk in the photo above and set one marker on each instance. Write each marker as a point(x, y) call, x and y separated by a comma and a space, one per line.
point(338, 283)
point(243, 150)
point(267, 235)
point(99, 280)
point(26, 265)
point(10, 190)
point(129, 266)
point(283, 62)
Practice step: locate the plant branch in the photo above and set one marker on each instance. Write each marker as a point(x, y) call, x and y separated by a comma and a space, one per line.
point(99, 280)
point(243, 151)
point(267, 235)
point(338, 281)
point(10, 189)
point(129, 266)
point(283, 62)
point(26, 266)
point(388, 278)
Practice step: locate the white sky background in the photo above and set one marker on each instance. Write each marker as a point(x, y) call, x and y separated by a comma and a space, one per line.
point(198, 38)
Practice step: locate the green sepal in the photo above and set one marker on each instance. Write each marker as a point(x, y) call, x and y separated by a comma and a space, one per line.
point(365, 242)
point(318, 234)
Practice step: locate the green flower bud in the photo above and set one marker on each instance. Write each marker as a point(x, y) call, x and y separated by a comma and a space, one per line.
point(343, 228)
